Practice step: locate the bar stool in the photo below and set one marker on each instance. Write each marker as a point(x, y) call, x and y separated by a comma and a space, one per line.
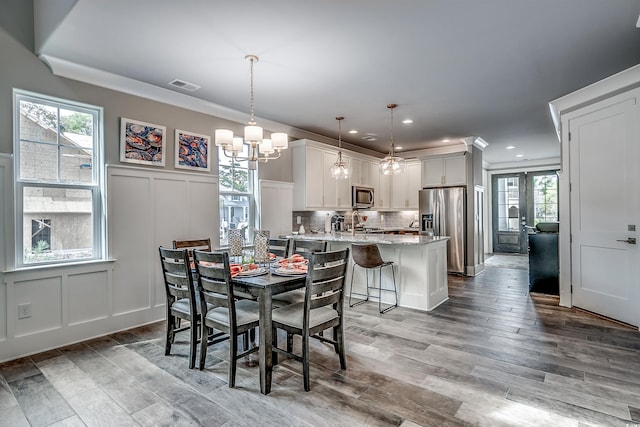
point(368, 257)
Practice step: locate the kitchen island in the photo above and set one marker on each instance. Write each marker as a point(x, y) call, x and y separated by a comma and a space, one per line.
point(421, 266)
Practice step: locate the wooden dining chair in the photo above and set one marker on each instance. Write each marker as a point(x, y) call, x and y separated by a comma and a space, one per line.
point(304, 248)
point(279, 247)
point(181, 299)
point(322, 309)
point(307, 247)
point(221, 310)
point(190, 245)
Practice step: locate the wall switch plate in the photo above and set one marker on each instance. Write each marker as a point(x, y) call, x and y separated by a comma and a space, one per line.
point(298, 219)
point(24, 310)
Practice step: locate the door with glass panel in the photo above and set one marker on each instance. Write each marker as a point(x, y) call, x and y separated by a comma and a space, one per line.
point(509, 213)
point(520, 202)
point(542, 197)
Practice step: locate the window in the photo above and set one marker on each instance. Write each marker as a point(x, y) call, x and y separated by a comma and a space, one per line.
point(236, 197)
point(58, 171)
point(545, 198)
point(509, 203)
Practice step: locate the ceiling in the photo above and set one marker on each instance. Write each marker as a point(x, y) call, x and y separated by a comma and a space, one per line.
point(457, 68)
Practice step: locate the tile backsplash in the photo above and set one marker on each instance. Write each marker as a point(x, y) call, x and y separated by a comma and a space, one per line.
point(315, 220)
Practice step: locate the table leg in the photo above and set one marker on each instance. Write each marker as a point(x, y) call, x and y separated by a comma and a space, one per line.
point(266, 335)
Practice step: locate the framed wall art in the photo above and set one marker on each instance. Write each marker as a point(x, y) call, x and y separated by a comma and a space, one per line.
point(193, 151)
point(142, 143)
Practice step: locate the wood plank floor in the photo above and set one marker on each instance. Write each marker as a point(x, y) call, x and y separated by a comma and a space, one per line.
point(493, 355)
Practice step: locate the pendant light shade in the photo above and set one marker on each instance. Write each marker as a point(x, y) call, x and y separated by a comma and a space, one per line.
point(392, 164)
point(340, 169)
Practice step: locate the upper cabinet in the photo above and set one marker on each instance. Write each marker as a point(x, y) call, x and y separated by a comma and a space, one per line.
point(444, 171)
point(315, 188)
point(405, 187)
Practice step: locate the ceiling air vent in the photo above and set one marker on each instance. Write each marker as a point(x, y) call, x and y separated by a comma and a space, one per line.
point(369, 138)
point(181, 84)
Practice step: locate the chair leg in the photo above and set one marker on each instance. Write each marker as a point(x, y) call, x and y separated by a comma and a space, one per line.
point(274, 343)
point(305, 360)
point(351, 288)
point(245, 340)
point(339, 334)
point(193, 342)
point(170, 334)
point(289, 342)
point(380, 289)
point(203, 346)
point(233, 351)
point(395, 290)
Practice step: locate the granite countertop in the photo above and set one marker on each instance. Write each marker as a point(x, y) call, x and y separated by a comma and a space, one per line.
point(382, 239)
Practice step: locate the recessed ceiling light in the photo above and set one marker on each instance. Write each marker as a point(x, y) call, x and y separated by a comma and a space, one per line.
point(446, 140)
point(519, 155)
point(398, 148)
point(510, 147)
point(407, 121)
point(353, 131)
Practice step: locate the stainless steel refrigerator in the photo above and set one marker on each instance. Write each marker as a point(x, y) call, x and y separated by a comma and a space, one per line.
point(443, 213)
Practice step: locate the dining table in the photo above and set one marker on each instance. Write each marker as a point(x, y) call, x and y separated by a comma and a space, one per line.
point(263, 287)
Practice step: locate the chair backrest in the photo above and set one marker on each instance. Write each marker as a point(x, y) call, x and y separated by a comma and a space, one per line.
point(367, 256)
point(325, 280)
point(202, 244)
point(176, 271)
point(307, 247)
point(279, 247)
point(214, 281)
point(190, 245)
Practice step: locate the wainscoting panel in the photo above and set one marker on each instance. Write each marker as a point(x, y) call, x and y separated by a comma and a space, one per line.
point(45, 297)
point(130, 226)
point(88, 296)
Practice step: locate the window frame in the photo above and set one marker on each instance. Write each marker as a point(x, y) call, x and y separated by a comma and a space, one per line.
point(97, 187)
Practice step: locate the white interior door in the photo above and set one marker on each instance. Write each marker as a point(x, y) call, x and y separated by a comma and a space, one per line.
point(603, 156)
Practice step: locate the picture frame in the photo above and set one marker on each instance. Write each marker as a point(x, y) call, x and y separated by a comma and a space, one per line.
point(193, 151)
point(142, 143)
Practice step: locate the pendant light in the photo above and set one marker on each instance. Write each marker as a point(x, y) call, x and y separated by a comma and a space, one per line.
point(260, 149)
point(340, 169)
point(392, 164)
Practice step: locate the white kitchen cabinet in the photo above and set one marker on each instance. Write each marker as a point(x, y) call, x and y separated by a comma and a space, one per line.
point(309, 183)
point(276, 205)
point(362, 172)
point(405, 187)
point(337, 192)
point(439, 171)
point(316, 189)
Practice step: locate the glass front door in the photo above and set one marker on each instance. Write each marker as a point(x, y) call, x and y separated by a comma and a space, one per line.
point(520, 201)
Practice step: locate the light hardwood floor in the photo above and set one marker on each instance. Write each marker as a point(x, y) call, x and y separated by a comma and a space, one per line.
point(492, 355)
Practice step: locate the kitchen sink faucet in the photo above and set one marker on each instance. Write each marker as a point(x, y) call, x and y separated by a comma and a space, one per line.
point(353, 222)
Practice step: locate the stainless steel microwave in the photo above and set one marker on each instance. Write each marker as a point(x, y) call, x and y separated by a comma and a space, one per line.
point(361, 197)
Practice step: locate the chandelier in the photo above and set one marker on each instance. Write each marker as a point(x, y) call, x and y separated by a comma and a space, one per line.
point(340, 169)
point(392, 164)
point(259, 149)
